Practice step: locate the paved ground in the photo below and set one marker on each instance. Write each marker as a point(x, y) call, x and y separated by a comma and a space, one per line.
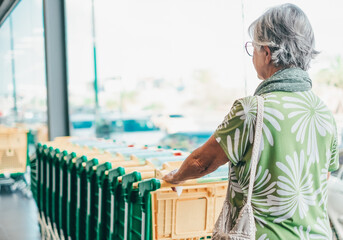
point(18, 217)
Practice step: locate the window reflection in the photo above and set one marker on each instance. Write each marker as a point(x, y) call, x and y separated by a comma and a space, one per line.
point(176, 57)
point(154, 58)
point(6, 86)
point(22, 69)
point(80, 67)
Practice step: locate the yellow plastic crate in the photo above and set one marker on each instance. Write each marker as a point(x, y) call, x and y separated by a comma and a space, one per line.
point(191, 215)
point(13, 150)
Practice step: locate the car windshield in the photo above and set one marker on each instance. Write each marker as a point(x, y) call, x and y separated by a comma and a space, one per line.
point(186, 141)
point(133, 125)
point(82, 124)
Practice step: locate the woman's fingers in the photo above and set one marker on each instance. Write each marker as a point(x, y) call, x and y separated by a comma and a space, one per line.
point(170, 177)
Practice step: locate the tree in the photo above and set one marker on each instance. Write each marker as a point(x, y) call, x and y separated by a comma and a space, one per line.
point(332, 75)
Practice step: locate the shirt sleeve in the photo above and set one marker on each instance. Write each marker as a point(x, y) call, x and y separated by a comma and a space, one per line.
point(334, 158)
point(236, 131)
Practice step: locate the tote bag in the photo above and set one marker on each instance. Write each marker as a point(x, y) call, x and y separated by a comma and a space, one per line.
point(245, 227)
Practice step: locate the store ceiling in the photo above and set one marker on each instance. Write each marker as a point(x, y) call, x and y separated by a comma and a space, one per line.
point(6, 6)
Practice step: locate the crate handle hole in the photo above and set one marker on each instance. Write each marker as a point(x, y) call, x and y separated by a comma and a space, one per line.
point(9, 152)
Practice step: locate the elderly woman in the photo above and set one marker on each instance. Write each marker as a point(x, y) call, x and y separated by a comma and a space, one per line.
point(299, 142)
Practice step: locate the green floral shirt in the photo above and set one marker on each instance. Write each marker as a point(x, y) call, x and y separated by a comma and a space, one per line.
point(298, 149)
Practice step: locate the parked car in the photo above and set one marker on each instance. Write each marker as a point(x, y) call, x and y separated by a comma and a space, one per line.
point(82, 125)
point(185, 141)
point(139, 130)
point(173, 123)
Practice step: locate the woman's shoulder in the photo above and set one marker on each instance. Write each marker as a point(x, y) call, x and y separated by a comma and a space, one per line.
point(286, 102)
point(294, 106)
point(292, 96)
point(291, 100)
point(246, 101)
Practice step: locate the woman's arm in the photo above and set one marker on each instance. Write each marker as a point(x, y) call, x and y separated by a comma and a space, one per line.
point(200, 162)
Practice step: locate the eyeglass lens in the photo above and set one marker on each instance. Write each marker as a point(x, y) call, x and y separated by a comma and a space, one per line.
point(249, 48)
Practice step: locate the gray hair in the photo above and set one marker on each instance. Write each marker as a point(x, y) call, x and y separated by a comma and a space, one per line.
point(286, 30)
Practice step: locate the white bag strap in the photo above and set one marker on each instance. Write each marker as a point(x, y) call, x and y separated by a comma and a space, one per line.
point(256, 146)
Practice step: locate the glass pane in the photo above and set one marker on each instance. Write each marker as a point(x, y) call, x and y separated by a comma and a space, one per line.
point(155, 60)
point(6, 85)
point(178, 58)
point(80, 66)
point(23, 68)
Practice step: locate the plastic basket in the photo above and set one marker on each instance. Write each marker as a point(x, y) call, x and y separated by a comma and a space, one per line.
point(56, 187)
point(50, 154)
point(158, 162)
point(91, 199)
point(34, 175)
point(13, 150)
point(189, 216)
point(53, 193)
point(71, 198)
point(63, 194)
point(39, 163)
point(142, 211)
point(103, 206)
point(96, 198)
point(83, 189)
point(122, 222)
point(42, 199)
point(80, 192)
point(142, 156)
point(113, 190)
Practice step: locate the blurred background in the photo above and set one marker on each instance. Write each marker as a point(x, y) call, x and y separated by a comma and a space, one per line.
point(151, 72)
point(146, 72)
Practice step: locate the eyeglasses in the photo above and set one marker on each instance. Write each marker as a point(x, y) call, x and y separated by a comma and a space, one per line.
point(249, 47)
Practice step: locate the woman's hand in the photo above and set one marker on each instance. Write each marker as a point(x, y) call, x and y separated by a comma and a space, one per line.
point(200, 162)
point(172, 177)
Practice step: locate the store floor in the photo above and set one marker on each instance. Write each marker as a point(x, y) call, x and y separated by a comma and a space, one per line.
point(18, 217)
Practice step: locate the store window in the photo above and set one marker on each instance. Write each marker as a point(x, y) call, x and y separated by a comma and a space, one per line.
point(154, 59)
point(80, 67)
point(6, 79)
point(22, 69)
point(160, 59)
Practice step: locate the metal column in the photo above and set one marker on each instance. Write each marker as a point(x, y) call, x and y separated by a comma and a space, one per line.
point(56, 68)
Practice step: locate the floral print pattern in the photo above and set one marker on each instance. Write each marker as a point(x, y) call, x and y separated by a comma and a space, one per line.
point(298, 148)
point(295, 189)
point(312, 118)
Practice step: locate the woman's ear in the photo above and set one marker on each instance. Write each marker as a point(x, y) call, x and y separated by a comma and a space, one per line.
point(268, 55)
